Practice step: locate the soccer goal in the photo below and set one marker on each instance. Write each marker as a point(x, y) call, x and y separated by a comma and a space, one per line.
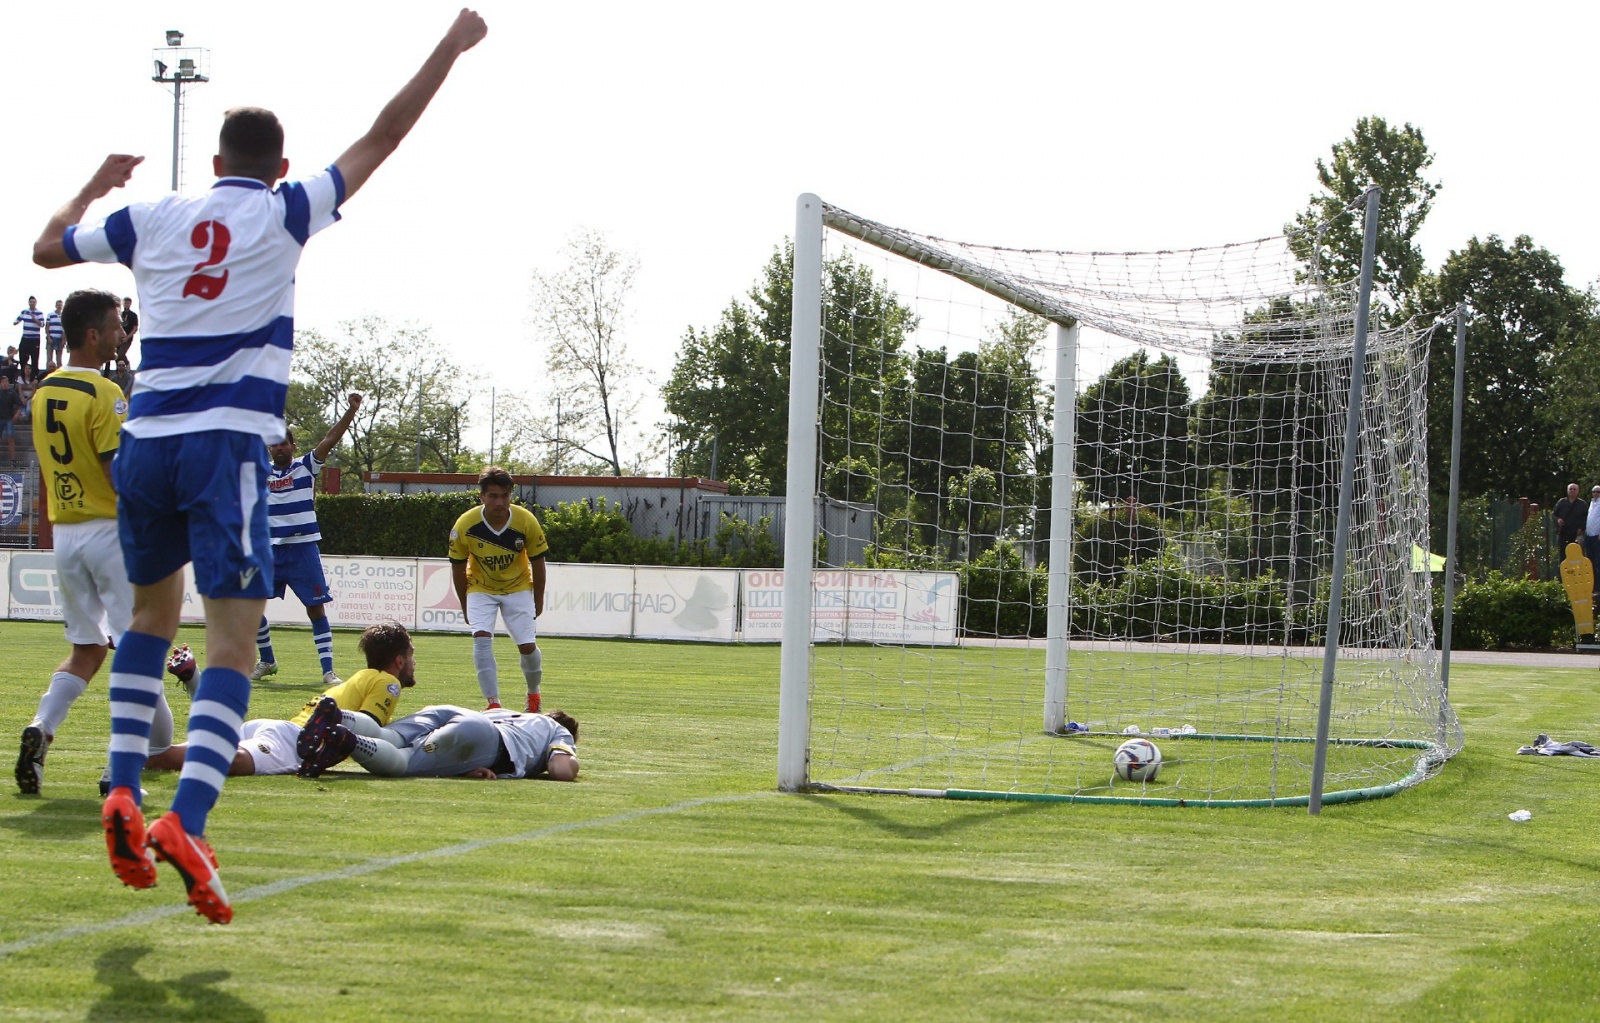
point(1133, 466)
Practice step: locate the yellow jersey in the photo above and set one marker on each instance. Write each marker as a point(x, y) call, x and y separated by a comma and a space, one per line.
point(498, 561)
point(77, 422)
point(369, 689)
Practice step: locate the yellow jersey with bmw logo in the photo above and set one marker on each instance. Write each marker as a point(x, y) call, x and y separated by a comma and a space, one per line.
point(498, 561)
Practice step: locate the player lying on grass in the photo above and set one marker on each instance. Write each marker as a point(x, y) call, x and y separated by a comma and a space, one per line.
point(453, 742)
point(270, 746)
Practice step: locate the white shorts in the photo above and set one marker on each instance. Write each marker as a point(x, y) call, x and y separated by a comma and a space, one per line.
point(515, 608)
point(271, 744)
point(96, 597)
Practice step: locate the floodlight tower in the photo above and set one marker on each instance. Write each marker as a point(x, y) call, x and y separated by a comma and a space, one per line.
point(190, 66)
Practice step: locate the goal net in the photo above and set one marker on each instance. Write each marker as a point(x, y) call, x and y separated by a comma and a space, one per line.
point(1123, 470)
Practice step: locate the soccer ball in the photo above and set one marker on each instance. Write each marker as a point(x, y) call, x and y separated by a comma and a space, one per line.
point(1137, 760)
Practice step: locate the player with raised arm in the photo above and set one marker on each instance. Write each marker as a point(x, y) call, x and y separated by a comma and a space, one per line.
point(77, 426)
point(296, 558)
point(215, 280)
point(454, 742)
point(497, 563)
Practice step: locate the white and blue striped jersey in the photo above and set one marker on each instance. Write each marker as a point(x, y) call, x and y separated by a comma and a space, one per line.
point(215, 278)
point(291, 505)
point(53, 329)
point(529, 739)
point(31, 320)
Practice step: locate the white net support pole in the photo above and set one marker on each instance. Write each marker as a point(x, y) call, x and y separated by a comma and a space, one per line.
point(1455, 498)
point(1058, 616)
point(1347, 487)
point(799, 531)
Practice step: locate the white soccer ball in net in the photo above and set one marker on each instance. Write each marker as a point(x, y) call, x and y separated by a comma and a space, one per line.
point(1137, 760)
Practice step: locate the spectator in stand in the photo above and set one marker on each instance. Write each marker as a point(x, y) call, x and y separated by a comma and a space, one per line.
point(55, 337)
point(1570, 513)
point(130, 327)
point(123, 376)
point(8, 365)
point(26, 385)
point(10, 414)
point(1591, 534)
point(32, 321)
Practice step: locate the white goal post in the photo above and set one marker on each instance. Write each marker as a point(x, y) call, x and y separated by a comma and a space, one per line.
point(1206, 560)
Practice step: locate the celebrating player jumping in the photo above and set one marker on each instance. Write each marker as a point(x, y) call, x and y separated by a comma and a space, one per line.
point(215, 279)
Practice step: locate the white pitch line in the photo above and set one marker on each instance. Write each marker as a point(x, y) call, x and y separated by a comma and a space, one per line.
point(154, 914)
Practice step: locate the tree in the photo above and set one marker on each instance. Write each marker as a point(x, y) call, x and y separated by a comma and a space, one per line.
point(578, 313)
point(1575, 405)
point(1133, 434)
point(729, 389)
point(415, 410)
point(1263, 426)
point(1394, 159)
point(1524, 322)
point(728, 396)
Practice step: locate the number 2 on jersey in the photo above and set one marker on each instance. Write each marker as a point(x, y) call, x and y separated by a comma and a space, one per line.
point(212, 234)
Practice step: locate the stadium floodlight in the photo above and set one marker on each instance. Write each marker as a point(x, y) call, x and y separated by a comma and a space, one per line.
point(191, 70)
point(1144, 515)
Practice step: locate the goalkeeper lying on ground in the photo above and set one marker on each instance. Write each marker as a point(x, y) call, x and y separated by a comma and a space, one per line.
point(446, 742)
point(271, 746)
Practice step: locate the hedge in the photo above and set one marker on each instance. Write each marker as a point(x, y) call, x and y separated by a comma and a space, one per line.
point(579, 532)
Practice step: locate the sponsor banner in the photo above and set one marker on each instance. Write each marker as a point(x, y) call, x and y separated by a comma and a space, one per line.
point(588, 600)
point(438, 610)
point(35, 593)
point(367, 591)
point(685, 603)
point(859, 605)
point(5, 584)
point(13, 498)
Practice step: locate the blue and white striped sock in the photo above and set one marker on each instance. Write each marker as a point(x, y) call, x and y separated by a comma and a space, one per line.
point(264, 642)
point(215, 718)
point(322, 635)
point(135, 691)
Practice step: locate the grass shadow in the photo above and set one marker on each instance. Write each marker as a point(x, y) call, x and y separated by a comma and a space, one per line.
point(963, 820)
point(55, 818)
point(133, 996)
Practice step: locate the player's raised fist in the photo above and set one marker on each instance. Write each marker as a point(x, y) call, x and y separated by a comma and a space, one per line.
point(114, 172)
point(355, 402)
point(469, 30)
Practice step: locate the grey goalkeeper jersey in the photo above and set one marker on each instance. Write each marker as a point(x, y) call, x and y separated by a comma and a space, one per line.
point(529, 738)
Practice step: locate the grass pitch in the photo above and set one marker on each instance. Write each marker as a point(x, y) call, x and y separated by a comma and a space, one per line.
point(672, 883)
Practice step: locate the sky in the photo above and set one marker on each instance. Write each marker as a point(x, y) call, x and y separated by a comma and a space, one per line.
point(684, 132)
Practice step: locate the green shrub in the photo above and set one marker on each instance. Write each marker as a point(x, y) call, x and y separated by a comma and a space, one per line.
point(594, 533)
point(579, 532)
point(999, 597)
point(1109, 542)
point(1162, 599)
point(1507, 614)
point(389, 525)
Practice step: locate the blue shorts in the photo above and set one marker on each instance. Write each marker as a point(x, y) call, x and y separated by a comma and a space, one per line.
point(298, 566)
point(197, 497)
